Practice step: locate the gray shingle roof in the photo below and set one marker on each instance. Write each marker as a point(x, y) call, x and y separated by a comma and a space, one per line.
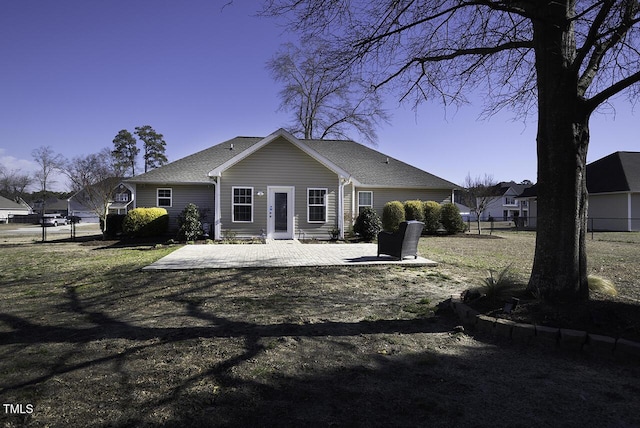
point(194, 168)
point(8, 204)
point(369, 167)
point(617, 172)
point(375, 169)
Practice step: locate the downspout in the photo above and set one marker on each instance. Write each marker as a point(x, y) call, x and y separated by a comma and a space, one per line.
point(342, 183)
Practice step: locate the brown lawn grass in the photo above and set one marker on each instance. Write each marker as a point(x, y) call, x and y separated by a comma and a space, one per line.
point(88, 339)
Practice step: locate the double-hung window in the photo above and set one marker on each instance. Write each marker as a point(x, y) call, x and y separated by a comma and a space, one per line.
point(242, 204)
point(122, 197)
point(365, 200)
point(164, 198)
point(316, 205)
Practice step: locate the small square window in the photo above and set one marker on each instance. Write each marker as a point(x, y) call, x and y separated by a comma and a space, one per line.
point(165, 198)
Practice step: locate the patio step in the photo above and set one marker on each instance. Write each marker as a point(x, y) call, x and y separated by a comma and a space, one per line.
point(282, 242)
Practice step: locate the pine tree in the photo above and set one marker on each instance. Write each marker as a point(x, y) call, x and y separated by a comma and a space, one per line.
point(125, 151)
point(154, 147)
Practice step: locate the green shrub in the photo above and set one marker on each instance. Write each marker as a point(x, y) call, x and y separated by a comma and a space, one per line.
point(114, 225)
point(451, 219)
point(189, 224)
point(431, 217)
point(414, 210)
point(145, 222)
point(368, 224)
point(392, 215)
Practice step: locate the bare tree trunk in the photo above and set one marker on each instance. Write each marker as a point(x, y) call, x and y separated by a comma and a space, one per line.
point(560, 263)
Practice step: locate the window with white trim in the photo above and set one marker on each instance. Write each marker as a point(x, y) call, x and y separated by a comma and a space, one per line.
point(365, 200)
point(242, 205)
point(165, 198)
point(510, 200)
point(316, 205)
point(122, 197)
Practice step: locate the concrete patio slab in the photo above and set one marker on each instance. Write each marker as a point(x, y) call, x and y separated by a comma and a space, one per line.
point(228, 256)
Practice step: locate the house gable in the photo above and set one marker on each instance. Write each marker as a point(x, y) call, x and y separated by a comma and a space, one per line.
point(279, 135)
point(279, 164)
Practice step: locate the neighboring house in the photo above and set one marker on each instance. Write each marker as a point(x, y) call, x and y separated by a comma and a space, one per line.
point(505, 206)
point(283, 187)
point(528, 198)
point(121, 200)
point(9, 208)
point(613, 183)
point(52, 206)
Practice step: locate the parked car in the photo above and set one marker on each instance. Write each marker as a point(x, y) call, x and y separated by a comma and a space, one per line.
point(53, 220)
point(73, 219)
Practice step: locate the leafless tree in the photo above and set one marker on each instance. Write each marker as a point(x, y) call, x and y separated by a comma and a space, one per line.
point(94, 178)
point(13, 183)
point(478, 193)
point(559, 59)
point(326, 102)
point(49, 162)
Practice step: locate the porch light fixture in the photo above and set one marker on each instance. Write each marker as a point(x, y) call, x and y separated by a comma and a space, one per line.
point(260, 193)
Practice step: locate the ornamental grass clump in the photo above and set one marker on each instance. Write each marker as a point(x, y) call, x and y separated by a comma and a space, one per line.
point(602, 285)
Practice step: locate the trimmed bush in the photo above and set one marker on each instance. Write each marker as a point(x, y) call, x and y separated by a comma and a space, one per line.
point(368, 224)
point(145, 222)
point(414, 210)
point(431, 217)
point(451, 219)
point(392, 216)
point(114, 225)
point(189, 224)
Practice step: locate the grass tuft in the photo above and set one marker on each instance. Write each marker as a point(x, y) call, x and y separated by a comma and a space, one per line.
point(500, 285)
point(602, 285)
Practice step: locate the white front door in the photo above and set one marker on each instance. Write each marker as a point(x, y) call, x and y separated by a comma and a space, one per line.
point(280, 212)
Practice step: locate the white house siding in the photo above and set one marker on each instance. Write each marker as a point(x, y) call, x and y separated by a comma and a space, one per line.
point(279, 163)
point(7, 213)
point(383, 195)
point(201, 195)
point(609, 211)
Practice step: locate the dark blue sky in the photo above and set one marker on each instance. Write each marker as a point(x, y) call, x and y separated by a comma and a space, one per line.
point(75, 72)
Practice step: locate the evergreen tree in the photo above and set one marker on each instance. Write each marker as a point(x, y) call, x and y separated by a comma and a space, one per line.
point(125, 151)
point(154, 147)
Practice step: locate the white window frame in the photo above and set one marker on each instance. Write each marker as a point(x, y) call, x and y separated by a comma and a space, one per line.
point(122, 197)
point(325, 205)
point(510, 201)
point(234, 204)
point(170, 197)
point(364, 206)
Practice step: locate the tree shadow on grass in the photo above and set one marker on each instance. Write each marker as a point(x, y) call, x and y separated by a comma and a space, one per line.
point(198, 367)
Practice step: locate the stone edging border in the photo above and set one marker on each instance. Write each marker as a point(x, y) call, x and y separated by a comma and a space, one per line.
point(575, 340)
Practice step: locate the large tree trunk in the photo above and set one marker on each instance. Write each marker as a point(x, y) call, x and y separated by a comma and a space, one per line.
point(560, 263)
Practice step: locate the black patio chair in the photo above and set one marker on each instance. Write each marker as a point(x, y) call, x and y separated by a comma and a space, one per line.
point(402, 243)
